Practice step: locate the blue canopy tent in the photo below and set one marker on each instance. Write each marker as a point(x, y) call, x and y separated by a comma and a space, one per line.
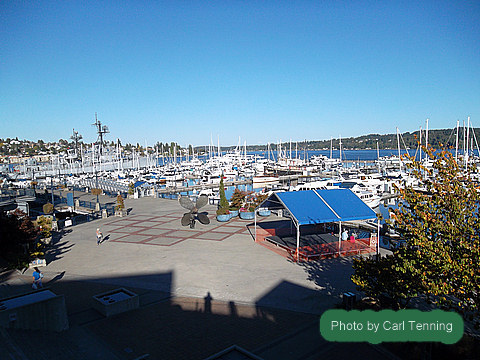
point(319, 206)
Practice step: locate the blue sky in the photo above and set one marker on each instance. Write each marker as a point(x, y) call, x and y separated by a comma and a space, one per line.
point(263, 71)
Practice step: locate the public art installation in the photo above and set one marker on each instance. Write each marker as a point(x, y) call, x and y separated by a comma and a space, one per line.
point(193, 214)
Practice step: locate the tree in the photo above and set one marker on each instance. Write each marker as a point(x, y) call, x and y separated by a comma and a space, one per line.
point(386, 279)
point(120, 202)
point(45, 226)
point(18, 237)
point(238, 199)
point(48, 208)
point(131, 188)
point(223, 198)
point(441, 225)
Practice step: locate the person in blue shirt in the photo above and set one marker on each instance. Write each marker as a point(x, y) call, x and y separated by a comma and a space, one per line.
point(37, 278)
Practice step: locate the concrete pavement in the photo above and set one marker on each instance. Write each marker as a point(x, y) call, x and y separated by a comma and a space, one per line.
point(201, 290)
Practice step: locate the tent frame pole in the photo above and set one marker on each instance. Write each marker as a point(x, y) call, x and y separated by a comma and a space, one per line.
point(378, 238)
point(339, 237)
point(298, 240)
point(255, 217)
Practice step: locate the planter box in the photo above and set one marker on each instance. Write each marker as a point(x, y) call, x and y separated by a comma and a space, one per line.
point(223, 218)
point(247, 215)
point(233, 213)
point(38, 310)
point(37, 262)
point(115, 302)
point(264, 212)
point(121, 213)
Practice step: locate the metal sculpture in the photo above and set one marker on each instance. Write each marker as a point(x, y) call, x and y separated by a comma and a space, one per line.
point(193, 214)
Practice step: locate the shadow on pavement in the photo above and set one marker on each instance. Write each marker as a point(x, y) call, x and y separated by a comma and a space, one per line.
point(163, 327)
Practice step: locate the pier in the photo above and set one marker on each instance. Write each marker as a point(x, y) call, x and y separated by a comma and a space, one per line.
point(180, 189)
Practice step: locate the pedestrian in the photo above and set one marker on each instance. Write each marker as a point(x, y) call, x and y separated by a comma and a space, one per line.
point(99, 236)
point(37, 279)
point(351, 238)
point(344, 235)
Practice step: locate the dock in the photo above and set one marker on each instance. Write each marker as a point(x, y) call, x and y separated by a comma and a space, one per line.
point(180, 189)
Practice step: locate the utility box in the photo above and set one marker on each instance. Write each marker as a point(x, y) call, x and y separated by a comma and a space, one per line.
point(38, 310)
point(116, 302)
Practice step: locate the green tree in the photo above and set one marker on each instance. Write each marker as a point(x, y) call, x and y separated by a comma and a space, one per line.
point(441, 225)
point(120, 202)
point(48, 207)
point(18, 237)
point(223, 198)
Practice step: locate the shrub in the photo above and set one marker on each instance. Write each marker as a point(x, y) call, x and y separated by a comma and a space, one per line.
point(120, 202)
point(48, 208)
point(223, 211)
point(238, 199)
point(45, 224)
point(18, 236)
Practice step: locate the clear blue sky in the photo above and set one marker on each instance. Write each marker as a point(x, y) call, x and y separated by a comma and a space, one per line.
point(261, 70)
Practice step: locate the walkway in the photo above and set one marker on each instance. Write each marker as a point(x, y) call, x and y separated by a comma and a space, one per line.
point(201, 290)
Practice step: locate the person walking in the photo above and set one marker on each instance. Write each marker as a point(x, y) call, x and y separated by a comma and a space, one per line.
point(37, 279)
point(99, 236)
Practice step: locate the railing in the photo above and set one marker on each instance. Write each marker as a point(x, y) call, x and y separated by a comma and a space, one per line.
point(92, 205)
point(13, 193)
point(78, 219)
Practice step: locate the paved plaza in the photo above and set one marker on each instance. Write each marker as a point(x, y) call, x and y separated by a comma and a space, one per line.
point(219, 258)
point(201, 290)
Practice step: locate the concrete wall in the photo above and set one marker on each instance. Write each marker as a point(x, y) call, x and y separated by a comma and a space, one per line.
point(46, 314)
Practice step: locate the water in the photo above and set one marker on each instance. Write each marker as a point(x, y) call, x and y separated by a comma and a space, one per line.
point(349, 155)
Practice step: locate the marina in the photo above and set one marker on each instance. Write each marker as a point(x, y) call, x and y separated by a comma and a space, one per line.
point(372, 175)
point(230, 180)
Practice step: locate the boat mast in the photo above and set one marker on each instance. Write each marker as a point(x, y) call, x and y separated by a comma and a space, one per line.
point(378, 157)
point(420, 157)
point(456, 144)
point(426, 139)
point(399, 157)
point(466, 143)
point(101, 130)
point(331, 146)
point(340, 145)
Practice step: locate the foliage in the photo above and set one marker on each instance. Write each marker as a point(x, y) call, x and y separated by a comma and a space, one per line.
point(252, 201)
point(18, 236)
point(131, 188)
point(96, 191)
point(45, 225)
point(238, 198)
point(441, 225)
point(223, 199)
point(120, 202)
point(48, 208)
point(387, 279)
point(259, 198)
point(223, 211)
